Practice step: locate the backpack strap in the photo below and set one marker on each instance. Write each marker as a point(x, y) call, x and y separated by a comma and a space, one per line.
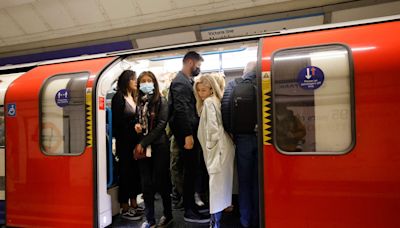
point(238, 80)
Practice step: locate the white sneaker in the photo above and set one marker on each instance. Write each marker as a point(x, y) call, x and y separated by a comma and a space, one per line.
point(198, 200)
point(131, 214)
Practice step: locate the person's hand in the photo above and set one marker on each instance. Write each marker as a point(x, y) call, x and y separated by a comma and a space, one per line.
point(138, 128)
point(138, 152)
point(189, 141)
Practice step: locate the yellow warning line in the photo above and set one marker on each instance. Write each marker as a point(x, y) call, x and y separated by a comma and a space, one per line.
point(266, 107)
point(89, 122)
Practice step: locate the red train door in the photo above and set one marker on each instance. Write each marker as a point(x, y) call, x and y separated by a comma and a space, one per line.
point(330, 128)
point(50, 161)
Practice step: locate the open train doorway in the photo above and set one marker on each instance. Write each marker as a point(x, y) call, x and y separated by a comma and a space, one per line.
point(228, 60)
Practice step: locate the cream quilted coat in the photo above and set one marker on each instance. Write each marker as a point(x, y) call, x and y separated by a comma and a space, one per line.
point(219, 153)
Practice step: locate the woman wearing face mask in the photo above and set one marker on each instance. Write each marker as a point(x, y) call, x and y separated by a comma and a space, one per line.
point(153, 148)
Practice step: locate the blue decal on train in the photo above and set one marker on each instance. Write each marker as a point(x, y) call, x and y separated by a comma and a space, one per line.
point(310, 78)
point(11, 110)
point(62, 97)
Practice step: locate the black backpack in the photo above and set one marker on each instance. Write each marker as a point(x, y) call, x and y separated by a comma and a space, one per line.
point(244, 106)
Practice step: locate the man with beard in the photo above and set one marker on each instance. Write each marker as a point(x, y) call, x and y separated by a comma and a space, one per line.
point(184, 123)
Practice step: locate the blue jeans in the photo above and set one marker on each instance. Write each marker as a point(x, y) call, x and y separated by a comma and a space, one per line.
point(247, 168)
point(216, 220)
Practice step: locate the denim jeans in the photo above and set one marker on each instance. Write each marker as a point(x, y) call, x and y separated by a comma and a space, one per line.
point(216, 220)
point(247, 168)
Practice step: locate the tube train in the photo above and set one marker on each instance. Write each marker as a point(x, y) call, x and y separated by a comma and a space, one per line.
point(328, 102)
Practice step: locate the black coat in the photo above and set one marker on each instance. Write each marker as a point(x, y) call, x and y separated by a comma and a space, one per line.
point(184, 120)
point(157, 134)
point(123, 124)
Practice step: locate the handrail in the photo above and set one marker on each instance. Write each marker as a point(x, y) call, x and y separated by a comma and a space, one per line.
point(110, 174)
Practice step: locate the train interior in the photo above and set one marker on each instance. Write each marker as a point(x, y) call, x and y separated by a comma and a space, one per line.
point(229, 60)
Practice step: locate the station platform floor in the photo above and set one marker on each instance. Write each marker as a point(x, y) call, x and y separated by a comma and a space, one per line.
point(229, 220)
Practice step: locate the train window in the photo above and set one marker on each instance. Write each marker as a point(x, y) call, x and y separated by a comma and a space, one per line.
point(62, 110)
point(313, 100)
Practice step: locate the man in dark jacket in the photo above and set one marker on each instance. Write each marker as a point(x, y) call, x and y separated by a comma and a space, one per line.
point(246, 157)
point(184, 124)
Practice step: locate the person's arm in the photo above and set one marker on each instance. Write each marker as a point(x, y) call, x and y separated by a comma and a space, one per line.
point(213, 158)
point(212, 128)
point(181, 95)
point(156, 132)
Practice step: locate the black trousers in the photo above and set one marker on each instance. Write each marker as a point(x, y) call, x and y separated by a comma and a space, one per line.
point(155, 177)
point(129, 178)
point(190, 170)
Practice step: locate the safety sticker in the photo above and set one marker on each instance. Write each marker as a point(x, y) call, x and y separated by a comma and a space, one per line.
point(11, 110)
point(310, 78)
point(101, 103)
point(62, 97)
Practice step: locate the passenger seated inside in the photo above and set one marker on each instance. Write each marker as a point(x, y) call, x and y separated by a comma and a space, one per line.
point(290, 131)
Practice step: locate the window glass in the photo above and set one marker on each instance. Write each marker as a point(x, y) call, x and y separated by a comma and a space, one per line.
point(63, 127)
point(312, 90)
point(239, 59)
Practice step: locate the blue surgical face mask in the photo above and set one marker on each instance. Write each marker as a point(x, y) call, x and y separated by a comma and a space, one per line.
point(147, 87)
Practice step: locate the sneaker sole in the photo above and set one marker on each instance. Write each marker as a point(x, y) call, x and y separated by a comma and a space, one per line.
point(132, 218)
point(196, 220)
point(204, 211)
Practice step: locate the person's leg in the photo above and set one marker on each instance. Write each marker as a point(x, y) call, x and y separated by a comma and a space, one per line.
point(216, 220)
point(146, 173)
point(161, 175)
point(255, 188)
point(189, 162)
point(176, 169)
point(245, 171)
point(201, 185)
point(124, 175)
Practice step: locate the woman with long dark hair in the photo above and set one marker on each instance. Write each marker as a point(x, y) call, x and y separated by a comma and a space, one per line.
point(153, 148)
point(124, 118)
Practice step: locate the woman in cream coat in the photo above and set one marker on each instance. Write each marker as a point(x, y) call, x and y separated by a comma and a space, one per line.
point(218, 148)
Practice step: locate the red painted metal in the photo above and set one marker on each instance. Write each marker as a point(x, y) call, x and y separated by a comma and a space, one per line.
point(361, 188)
point(42, 190)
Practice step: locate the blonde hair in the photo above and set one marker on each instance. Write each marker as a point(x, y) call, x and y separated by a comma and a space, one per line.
point(216, 84)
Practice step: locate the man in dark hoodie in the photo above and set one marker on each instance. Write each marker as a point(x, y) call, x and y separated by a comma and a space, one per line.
point(246, 155)
point(184, 124)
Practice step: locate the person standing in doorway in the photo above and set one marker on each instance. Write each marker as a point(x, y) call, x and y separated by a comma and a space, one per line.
point(153, 148)
point(123, 108)
point(218, 148)
point(245, 138)
point(184, 123)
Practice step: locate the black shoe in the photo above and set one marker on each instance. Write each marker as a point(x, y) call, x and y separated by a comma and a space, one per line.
point(202, 209)
point(178, 206)
point(191, 216)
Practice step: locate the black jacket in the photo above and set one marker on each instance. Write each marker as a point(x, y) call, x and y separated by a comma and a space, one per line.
point(184, 120)
point(157, 134)
point(123, 125)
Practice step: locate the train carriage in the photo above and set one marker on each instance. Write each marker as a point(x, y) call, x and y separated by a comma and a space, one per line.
point(328, 101)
